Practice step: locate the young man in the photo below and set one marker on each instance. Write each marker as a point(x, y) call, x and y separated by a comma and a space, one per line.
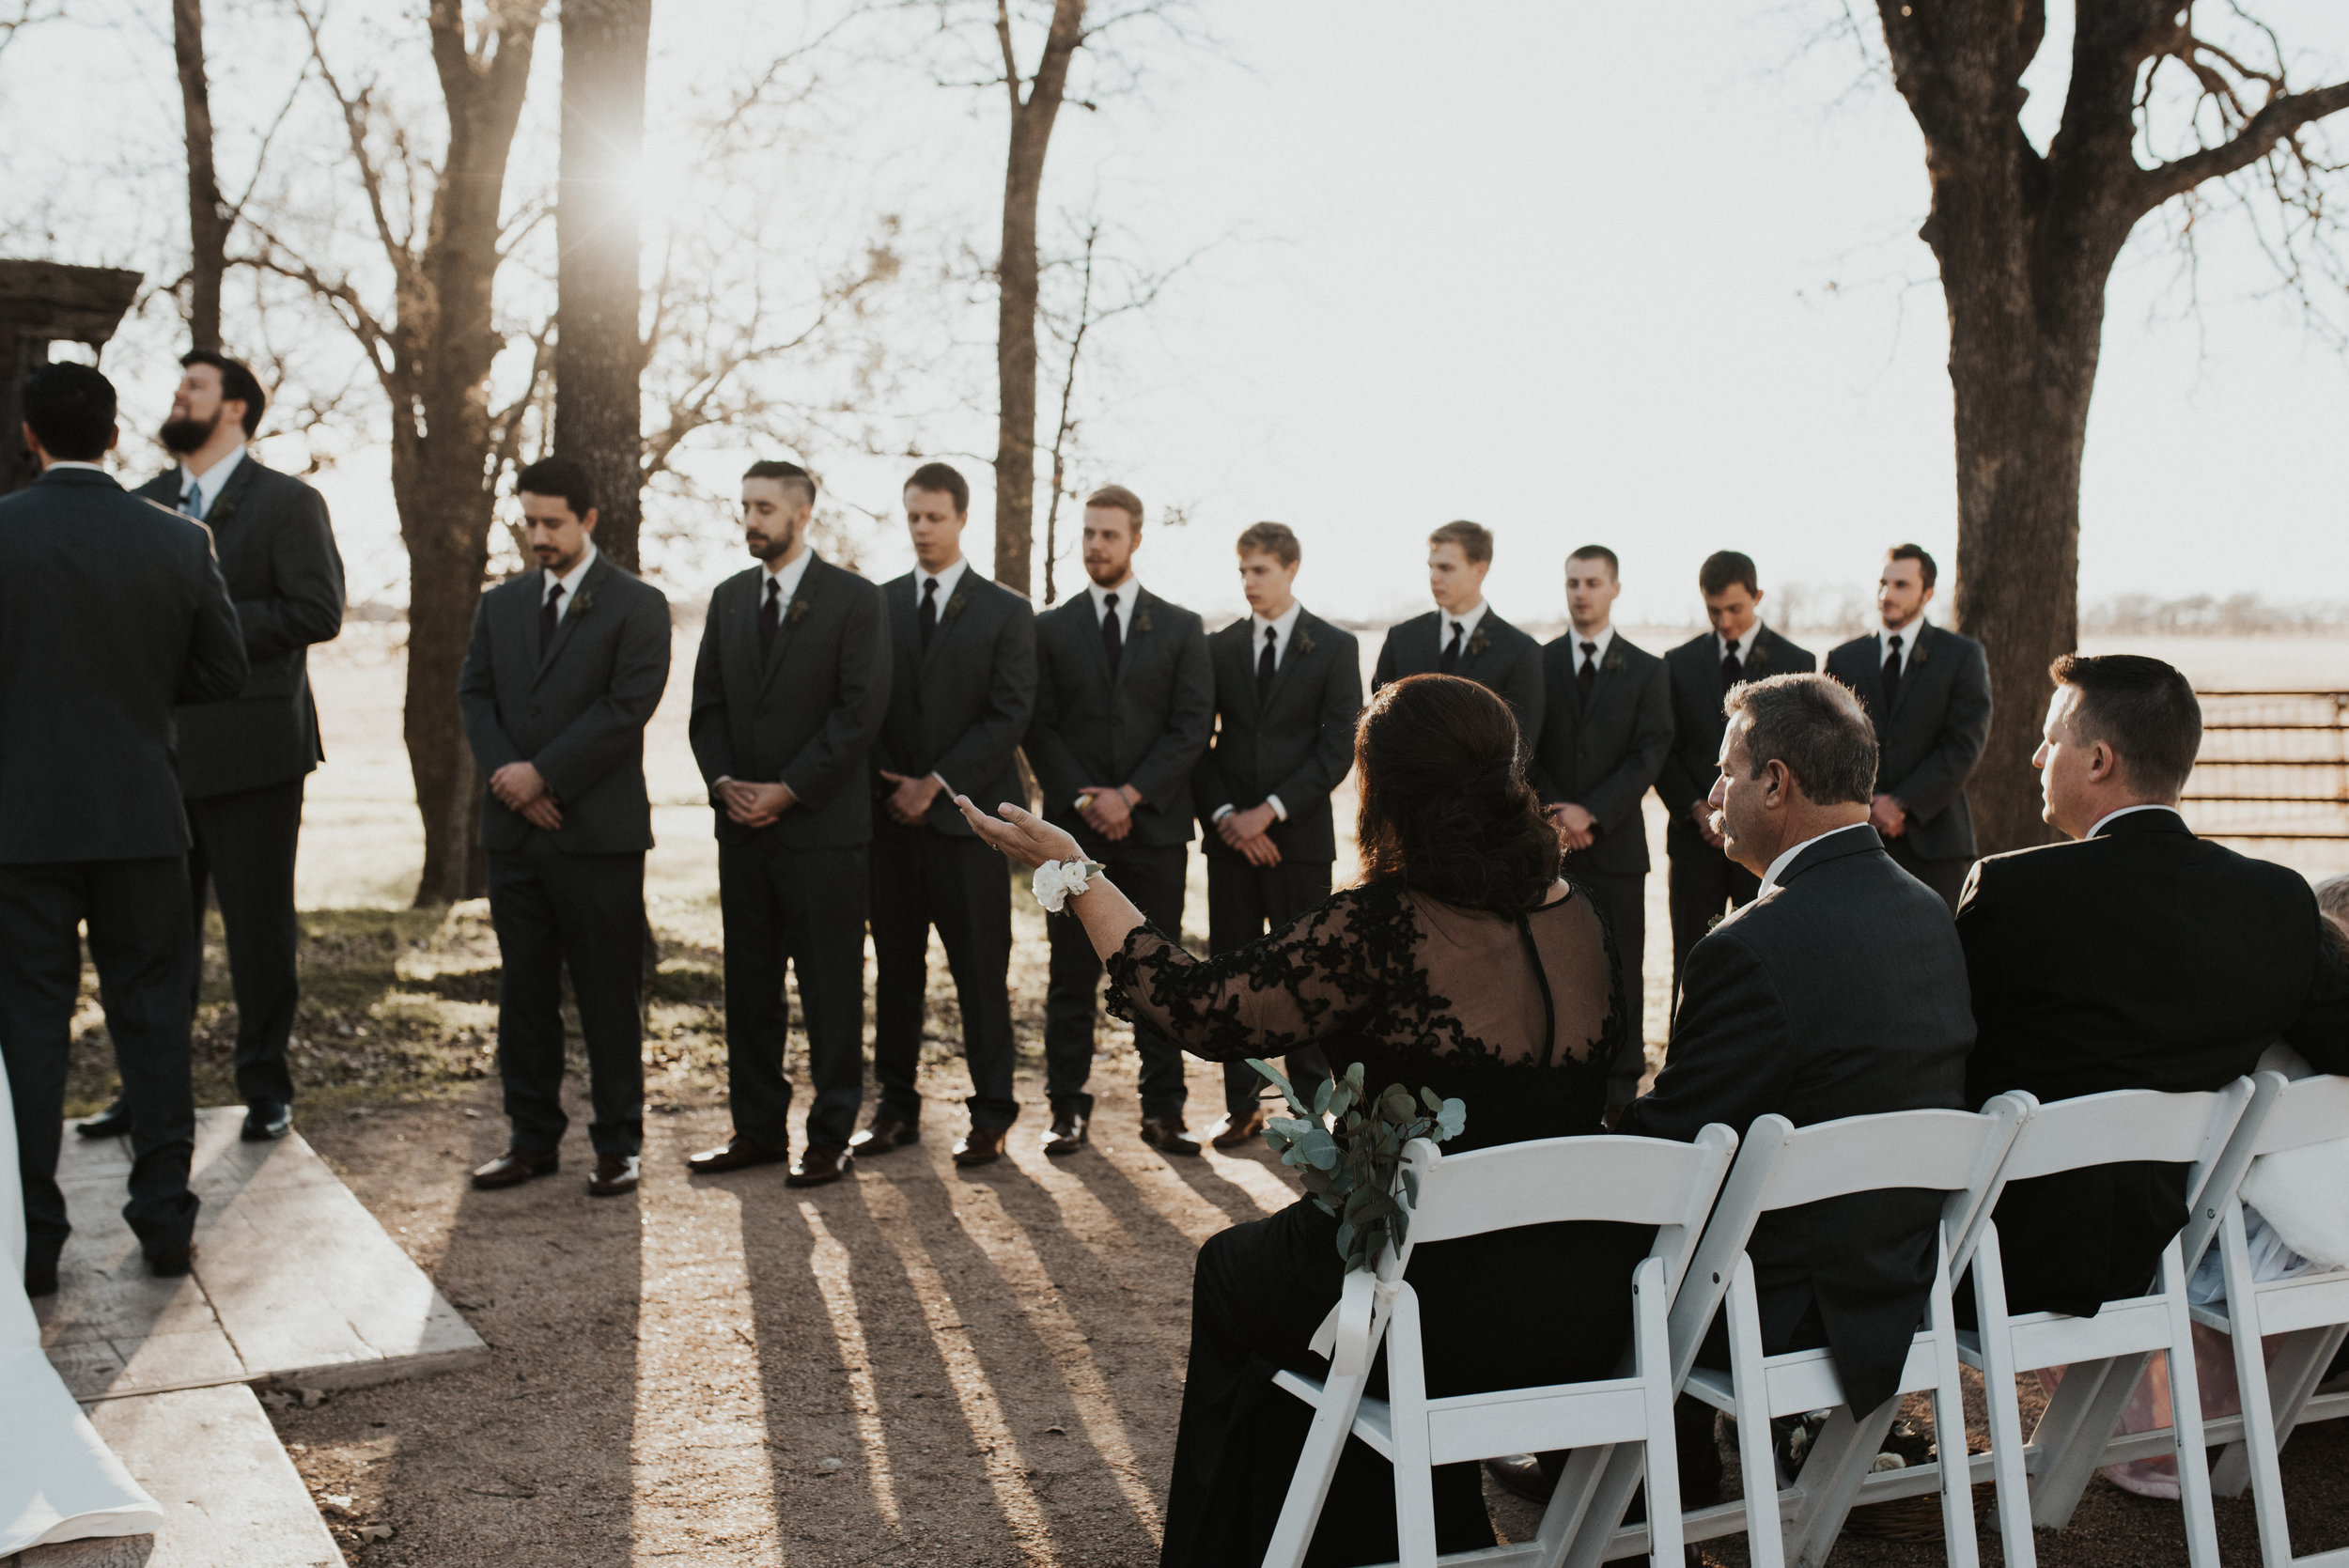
point(243, 761)
point(1288, 686)
point(1703, 880)
point(1124, 703)
point(1608, 728)
point(1462, 636)
point(1928, 692)
point(112, 610)
point(566, 664)
point(963, 685)
point(789, 690)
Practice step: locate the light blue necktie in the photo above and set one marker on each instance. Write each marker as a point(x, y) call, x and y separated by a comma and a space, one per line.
point(193, 503)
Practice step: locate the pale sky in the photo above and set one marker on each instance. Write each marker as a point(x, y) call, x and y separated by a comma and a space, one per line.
point(1644, 276)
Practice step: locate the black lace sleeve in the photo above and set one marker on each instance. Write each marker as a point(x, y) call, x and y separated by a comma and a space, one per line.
point(1305, 982)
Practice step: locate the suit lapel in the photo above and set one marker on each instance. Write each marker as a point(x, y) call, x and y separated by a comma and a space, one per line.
point(1299, 636)
point(582, 603)
point(903, 633)
point(1138, 626)
point(231, 497)
point(740, 631)
point(792, 613)
point(1910, 669)
point(957, 604)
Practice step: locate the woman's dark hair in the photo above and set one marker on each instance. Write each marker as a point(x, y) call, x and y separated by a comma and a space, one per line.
point(1446, 810)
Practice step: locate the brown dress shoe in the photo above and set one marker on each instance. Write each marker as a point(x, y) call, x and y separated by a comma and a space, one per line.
point(1230, 1132)
point(818, 1167)
point(515, 1167)
point(614, 1174)
point(981, 1146)
point(886, 1131)
point(1167, 1135)
point(737, 1154)
point(1067, 1134)
point(1520, 1473)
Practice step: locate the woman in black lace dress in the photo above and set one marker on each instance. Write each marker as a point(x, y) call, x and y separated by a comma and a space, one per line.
point(1461, 963)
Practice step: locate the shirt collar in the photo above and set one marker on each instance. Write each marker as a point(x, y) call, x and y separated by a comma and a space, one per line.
point(1126, 592)
point(94, 468)
point(949, 578)
point(1280, 629)
point(570, 580)
point(1745, 644)
point(786, 579)
point(1604, 640)
point(213, 481)
point(1468, 623)
point(1786, 857)
point(2126, 809)
point(1908, 634)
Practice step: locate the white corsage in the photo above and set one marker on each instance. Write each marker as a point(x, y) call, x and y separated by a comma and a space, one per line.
point(1056, 879)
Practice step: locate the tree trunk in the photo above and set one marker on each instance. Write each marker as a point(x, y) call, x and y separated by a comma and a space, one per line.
point(207, 222)
point(599, 353)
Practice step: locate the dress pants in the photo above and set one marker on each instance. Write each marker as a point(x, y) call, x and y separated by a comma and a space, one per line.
point(1703, 884)
point(554, 911)
point(804, 909)
point(1945, 876)
point(923, 877)
point(1152, 877)
point(1243, 902)
point(1622, 901)
point(138, 939)
point(245, 849)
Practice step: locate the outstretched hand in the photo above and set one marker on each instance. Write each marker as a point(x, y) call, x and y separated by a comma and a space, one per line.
point(1028, 839)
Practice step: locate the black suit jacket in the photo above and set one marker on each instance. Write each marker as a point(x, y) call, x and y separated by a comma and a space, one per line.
point(1694, 668)
point(1498, 657)
point(1604, 757)
point(959, 710)
point(2141, 958)
point(1839, 992)
point(1296, 741)
point(112, 610)
point(1928, 742)
point(1146, 725)
point(577, 712)
point(806, 715)
point(278, 556)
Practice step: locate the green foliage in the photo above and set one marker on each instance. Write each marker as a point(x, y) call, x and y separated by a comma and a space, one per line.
point(1348, 1149)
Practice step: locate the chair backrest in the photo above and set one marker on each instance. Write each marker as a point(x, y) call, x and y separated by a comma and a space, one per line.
point(2311, 1110)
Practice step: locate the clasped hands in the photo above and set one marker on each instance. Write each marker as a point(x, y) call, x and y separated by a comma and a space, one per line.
point(521, 789)
point(1577, 827)
point(753, 805)
point(1888, 816)
point(908, 801)
point(1250, 832)
point(1109, 809)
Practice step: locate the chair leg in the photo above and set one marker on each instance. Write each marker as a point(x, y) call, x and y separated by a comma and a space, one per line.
point(1660, 1450)
point(2292, 1378)
point(2186, 1420)
point(2005, 1410)
point(2069, 1467)
point(1838, 1462)
point(1316, 1465)
point(1766, 1546)
point(1414, 1473)
point(1611, 1500)
point(2261, 1462)
point(1948, 1434)
point(1572, 1505)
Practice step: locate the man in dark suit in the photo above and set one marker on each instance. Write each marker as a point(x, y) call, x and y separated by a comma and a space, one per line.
point(1928, 692)
point(1462, 636)
point(112, 610)
point(243, 761)
point(789, 691)
point(959, 696)
point(1124, 705)
point(1702, 879)
point(1288, 686)
point(1603, 740)
point(565, 670)
point(1838, 990)
point(2136, 957)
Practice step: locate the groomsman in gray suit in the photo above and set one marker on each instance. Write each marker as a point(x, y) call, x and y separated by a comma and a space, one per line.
point(566, 667)
point(964, 684)
point(1609, 727)
point(1462, 636)
point(1124, 705)
point(1288, 686)
point(1928, 692)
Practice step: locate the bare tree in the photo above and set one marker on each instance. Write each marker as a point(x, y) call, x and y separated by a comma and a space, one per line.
point(2026, 241)
point(207, 216)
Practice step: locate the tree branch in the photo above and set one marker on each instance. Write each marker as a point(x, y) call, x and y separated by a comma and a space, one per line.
point(2278, 120)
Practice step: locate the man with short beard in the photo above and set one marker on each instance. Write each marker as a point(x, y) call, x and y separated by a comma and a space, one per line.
point(789, 691)
point(243, 761)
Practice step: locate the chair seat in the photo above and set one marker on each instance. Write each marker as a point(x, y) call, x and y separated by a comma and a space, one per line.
point(2058, 1339)
point(2286, 1306)
point(1514, 1420)
point(1805, 1380)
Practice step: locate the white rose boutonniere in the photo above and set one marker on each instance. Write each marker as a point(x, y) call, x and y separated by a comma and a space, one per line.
point(1055, 880)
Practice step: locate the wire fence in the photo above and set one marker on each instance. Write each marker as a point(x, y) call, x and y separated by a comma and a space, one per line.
point(2274, 765)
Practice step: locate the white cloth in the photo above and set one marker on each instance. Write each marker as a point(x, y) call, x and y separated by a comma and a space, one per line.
point(58, 1481)
point(69, 462)
point(569, 581)
point(1908, 634)
point(1769, 878)
point(209, 483)
point(2125, 811)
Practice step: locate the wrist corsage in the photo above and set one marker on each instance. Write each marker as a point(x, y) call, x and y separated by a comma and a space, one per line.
point(1055, 880)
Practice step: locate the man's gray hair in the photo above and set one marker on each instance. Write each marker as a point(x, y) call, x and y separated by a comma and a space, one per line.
point(1817, 727)
point(2332, 896)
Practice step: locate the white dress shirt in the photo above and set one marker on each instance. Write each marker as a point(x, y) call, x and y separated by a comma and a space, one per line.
point(1743, 646)
point(68, 462)
point(1280, 630)
point(208, 484)
point(947, 578)
point(570, 580)
point(1601, 640)
point(2126, 810)
point(1908, 634)
point(1126, 592)
point(787, 580)
point(1769, 878)
point(1466, 621)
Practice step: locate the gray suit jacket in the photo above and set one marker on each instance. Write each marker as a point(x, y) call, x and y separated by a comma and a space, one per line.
point(111, 612)
point(1498, 657)
point(1927, 745)
point(1698, 724)
point(576, 712)
point(1297, 743)
point(960, 709)
point(1840, 992)
point(278, 556)
point(805, 715)
point(1604, 757)
point(1146, 725)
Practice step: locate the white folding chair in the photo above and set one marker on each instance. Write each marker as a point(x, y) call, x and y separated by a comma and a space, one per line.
point(2040, 1483)
point(2310, 1310)
point(1637, 1181)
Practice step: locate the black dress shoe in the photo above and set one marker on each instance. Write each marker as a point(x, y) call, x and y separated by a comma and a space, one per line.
point(266, 1121)
point(614, 1174)
point(1067, 1134)
point(41, 1281)
point(515, 1167)
point(176, 1263)
point(737, 1154)
point(1167, 1135)
point(1520, 1473)
point(818, 1167)
point(887, 1130)
point(981, 1146)
point(113, 1122)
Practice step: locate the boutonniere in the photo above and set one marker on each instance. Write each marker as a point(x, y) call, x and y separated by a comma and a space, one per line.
point(797, 612)
point(1612, 663)
point(1715, 920)
point(1142, 619)
point(585, 602)
point(961, 596)
point(1919, 654)
point(1759, 657)
point(1304, 641)
point(1479, 643)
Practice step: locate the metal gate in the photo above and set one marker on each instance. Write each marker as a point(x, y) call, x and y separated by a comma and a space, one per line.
point(2274, 765)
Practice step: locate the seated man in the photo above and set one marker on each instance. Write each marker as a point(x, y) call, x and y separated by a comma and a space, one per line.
point(2138, 956)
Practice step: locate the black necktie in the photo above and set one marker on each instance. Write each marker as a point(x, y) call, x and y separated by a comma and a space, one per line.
point(770, 617)
point(1732, 671)
point(1892, 669)
point(1586, 676)
point(550, 616)
point(927, 622)
point(1452, 649)
point(1265, 664)
point(1112, 643)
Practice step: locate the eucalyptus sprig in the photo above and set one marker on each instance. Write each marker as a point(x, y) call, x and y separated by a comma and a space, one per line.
point(1348, 1149)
